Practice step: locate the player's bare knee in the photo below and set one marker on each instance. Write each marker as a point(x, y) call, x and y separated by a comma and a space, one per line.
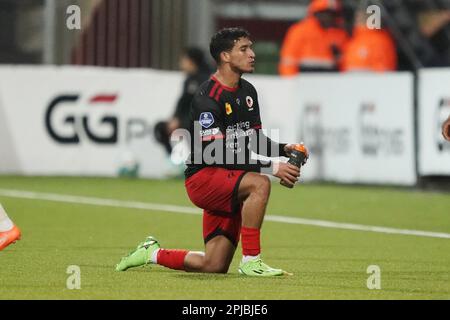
point(221, 269)
point(215, 267)
point(248, 186)
point(263, 187)
point(258, 182)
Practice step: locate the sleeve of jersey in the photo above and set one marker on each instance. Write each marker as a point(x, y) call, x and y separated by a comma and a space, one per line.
point(267, 147)
point(208, 120)
point(263, 145)
point(208, 132)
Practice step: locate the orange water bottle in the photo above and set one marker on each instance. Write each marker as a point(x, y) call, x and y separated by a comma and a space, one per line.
point(298, 158)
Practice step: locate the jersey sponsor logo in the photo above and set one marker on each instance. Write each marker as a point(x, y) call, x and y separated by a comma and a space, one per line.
point(243, 125)
point(206, 119)
point(249, 101)
point(238, 130)
point(209, 132)
point(228, 109)
point(232, 135)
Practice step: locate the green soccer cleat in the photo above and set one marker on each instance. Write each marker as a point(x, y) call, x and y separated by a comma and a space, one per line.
point(257, 268)
point(139, 257)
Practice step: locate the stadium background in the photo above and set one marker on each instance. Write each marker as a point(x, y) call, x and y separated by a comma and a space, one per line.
point(362, 128)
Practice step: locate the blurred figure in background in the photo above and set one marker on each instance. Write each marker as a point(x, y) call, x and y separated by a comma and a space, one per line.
point(197, 70)
point(316, 42)
point(435, 26)
point(369, 49)
point(9, 233)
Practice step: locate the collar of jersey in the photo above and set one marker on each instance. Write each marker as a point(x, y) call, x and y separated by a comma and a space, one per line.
point(224, 86)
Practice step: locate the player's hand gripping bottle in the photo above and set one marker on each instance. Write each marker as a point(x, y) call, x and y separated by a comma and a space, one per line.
point(298, 158)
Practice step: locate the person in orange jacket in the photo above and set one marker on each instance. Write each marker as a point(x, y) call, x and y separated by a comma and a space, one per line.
point(369, 49)
point(316, 42)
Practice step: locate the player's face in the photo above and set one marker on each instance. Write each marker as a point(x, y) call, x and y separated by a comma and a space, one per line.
point(242, 57)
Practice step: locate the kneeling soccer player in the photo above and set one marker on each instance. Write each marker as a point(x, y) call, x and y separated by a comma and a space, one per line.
point(225, 117)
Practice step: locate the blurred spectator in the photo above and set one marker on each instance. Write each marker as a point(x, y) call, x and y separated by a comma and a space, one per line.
point(197, 70)
point(369, 49)
point(316, 42)
point(435, 26)
point(433, 22)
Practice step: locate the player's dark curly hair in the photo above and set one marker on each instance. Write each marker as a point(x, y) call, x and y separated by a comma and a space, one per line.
point(224, 40)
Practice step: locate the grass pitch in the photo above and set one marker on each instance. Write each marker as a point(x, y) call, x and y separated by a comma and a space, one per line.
point(327, 263)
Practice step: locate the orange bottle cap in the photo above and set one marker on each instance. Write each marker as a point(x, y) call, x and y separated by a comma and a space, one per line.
point(301, 148)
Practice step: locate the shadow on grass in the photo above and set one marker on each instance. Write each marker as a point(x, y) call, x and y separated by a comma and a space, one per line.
point(225, 277)
point(206, 276)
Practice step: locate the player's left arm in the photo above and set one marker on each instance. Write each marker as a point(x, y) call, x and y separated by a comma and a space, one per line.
point(265, 149)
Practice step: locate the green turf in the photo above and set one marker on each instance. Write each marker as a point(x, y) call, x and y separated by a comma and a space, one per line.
point(327, 263)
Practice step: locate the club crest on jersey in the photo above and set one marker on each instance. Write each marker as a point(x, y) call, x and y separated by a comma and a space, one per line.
point(249, 101)
point(228, 109)
point(206, 119)
point(238, 101)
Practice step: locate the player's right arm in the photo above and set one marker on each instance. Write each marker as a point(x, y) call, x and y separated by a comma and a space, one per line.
point(286, 172)
point(207, 119)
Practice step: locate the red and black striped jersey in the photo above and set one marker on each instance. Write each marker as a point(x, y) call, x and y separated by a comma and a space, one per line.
point(225, 129)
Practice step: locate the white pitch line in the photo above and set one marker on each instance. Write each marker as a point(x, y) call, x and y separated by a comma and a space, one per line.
point(96, 201)
point(188, 210)
point(359, 227)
